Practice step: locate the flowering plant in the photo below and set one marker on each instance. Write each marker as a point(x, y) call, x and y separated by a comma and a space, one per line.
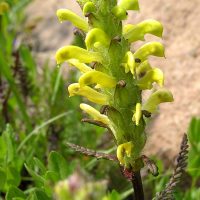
point(114, 76)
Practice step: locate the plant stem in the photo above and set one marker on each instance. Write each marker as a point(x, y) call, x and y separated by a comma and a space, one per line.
point(137, 186)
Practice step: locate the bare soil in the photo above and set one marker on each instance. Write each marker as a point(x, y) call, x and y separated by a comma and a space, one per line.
point(181, 20)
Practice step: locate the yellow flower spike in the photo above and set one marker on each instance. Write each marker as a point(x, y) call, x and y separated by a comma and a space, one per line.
point(160, 96)
point(4, 7)
point(143, 68)
point(138, 114)
point(136, 32)
point(73, 52)
point(91, 94)
point(88, 8)
point(96, 35)
point(129, 59)
point(81, 66)
point(95, 114)
point(77, 21)
point(148, 49)
point(129, 4)
point(154, 75)
point(123, 150)
point(97, 77)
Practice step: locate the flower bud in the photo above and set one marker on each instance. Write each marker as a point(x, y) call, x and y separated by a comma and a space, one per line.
point(129, 4)
point(91, 94)
point(65, 14)
point(97, 77)
point(89, 7)
point(119, 12)
point(96, 35)
point(160, 96)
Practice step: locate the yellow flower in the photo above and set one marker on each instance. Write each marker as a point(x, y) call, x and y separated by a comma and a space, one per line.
point(123, 150)
point(154, 75)
point(160, 96)
point(73, 52)
point(65, 14)
point(91, 94)
point(97, 77)
point(95, 114)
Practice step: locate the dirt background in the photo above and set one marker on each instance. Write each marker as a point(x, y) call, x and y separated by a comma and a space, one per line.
point(181, 20)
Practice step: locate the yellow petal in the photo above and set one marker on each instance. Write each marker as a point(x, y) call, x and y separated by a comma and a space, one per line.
point(91, 94)
point(81, 66)
point(160, 96)
point(154, 75)
point(95, 114)
point(73, 52)
point(129, 62)
point(65, 14)
point(138, 114)
point(97, 77)
point(123, 150)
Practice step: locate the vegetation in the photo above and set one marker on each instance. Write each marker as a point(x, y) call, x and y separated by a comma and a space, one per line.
point(40, 127)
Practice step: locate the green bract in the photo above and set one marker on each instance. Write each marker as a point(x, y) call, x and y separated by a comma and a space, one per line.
point(113, 75)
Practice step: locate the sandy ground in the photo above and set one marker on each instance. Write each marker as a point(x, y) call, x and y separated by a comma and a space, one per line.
point(181, 66)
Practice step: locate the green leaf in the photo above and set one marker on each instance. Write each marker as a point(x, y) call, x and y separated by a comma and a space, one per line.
point(8, 139)
point(29, 63)
point(194, 139)
point(39, 179)
point(5, 70)
point(40, 165)
point(13, 176)
point(2, 179)
point(14, 192)
point(27, 58)
point(52, 176)
point(58, 164)
point(3, 150)
point(38, 195)
point(114, 195)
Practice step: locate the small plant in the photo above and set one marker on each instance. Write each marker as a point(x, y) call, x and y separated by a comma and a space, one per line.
point(114, 77)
